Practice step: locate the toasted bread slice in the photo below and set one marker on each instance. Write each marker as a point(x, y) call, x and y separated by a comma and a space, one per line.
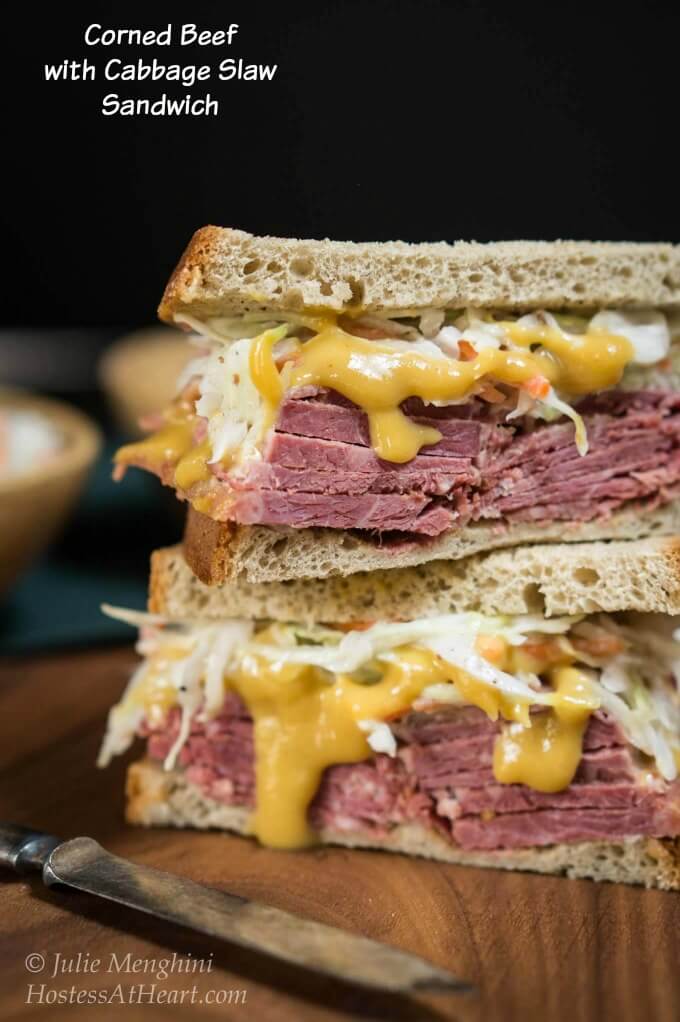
point(218, 552)
point(553, 579)
point(224, 272)
point(166, 798)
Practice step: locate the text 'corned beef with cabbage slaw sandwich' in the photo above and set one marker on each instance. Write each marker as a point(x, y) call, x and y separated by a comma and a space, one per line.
point(516, 740)
point(360, 406)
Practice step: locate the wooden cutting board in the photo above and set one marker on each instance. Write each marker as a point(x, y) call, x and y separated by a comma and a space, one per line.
point(539, 947)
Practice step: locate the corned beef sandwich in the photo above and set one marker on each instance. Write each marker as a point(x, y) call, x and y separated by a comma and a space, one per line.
point(451, 717)
point(370, 406)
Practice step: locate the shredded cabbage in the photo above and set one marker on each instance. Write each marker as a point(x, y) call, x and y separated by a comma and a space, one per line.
point(431, 322)
point(553, 402)
point(639, 686)
point(526, 405)
point(231, 402)
point(355, 648)
point(189, 695)
point(425, 347)
point(646, 329)
point(231, 637)
point(123, 721)
point(484, 335)
point(447, 340)
point(197, 676)
point(379, 736)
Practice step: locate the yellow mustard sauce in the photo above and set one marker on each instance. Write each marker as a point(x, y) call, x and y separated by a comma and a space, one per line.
point(192, 467)
point(157, 695)
point(166, 446)
point(303, 724)
point(378, 379)
point(172, 445)
point(263, 368)
point(544, 751)
point(306, 720)
point(545, 755)
point(587, 362)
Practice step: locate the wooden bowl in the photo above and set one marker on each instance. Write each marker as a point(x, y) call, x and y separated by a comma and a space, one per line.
point(35, 503)
point(139, 373)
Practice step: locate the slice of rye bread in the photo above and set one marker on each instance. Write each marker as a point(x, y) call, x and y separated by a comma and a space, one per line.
point(158, 798)
point(579, 578)
point(220, 552)
point(226, 272)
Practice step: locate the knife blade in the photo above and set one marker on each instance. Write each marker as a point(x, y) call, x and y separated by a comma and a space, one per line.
point(82, 863)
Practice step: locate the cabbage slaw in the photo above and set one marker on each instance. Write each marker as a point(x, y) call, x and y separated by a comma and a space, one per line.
point(235, 410)
point(638, 687)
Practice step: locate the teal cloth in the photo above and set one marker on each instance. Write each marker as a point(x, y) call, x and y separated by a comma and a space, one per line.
point(102, 557)
point(59, 605)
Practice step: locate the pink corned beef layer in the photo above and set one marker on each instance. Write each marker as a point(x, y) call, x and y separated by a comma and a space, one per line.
point(319, 470)
point(442, 778)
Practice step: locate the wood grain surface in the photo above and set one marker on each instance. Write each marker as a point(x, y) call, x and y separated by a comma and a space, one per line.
point(535, 947)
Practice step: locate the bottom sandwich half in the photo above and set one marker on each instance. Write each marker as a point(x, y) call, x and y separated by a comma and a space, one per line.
point(520, 741)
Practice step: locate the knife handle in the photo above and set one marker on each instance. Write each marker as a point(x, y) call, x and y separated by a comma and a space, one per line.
point(23, 849)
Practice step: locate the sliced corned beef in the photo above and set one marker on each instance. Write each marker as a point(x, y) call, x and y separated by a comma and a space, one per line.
point(305, 464)
point(442, 778)
point(321, 417)
point(517, 798)
point(400, 512)
point(554, 826)
point(319, 470)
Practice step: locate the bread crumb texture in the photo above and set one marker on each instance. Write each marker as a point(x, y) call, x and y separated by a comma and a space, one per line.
point(579, 578)
point(225, 272)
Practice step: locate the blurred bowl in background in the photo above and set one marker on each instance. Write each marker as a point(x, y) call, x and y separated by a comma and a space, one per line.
point(139, 373)
point(36, 500)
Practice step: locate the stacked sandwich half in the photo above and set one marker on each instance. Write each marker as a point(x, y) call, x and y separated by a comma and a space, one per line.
point(425, 593)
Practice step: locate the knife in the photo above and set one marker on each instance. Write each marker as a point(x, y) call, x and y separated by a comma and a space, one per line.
point(83, 864)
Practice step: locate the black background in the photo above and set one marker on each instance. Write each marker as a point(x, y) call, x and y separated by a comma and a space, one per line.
point(421, 120)
point(414, 119)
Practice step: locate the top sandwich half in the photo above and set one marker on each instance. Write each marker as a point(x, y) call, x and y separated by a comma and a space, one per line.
point(363, 406)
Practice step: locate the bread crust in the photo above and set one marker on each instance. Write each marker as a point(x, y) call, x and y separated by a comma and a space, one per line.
point(224, 271)
point(165, 798)
point(209, 546)
point(223, 552)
